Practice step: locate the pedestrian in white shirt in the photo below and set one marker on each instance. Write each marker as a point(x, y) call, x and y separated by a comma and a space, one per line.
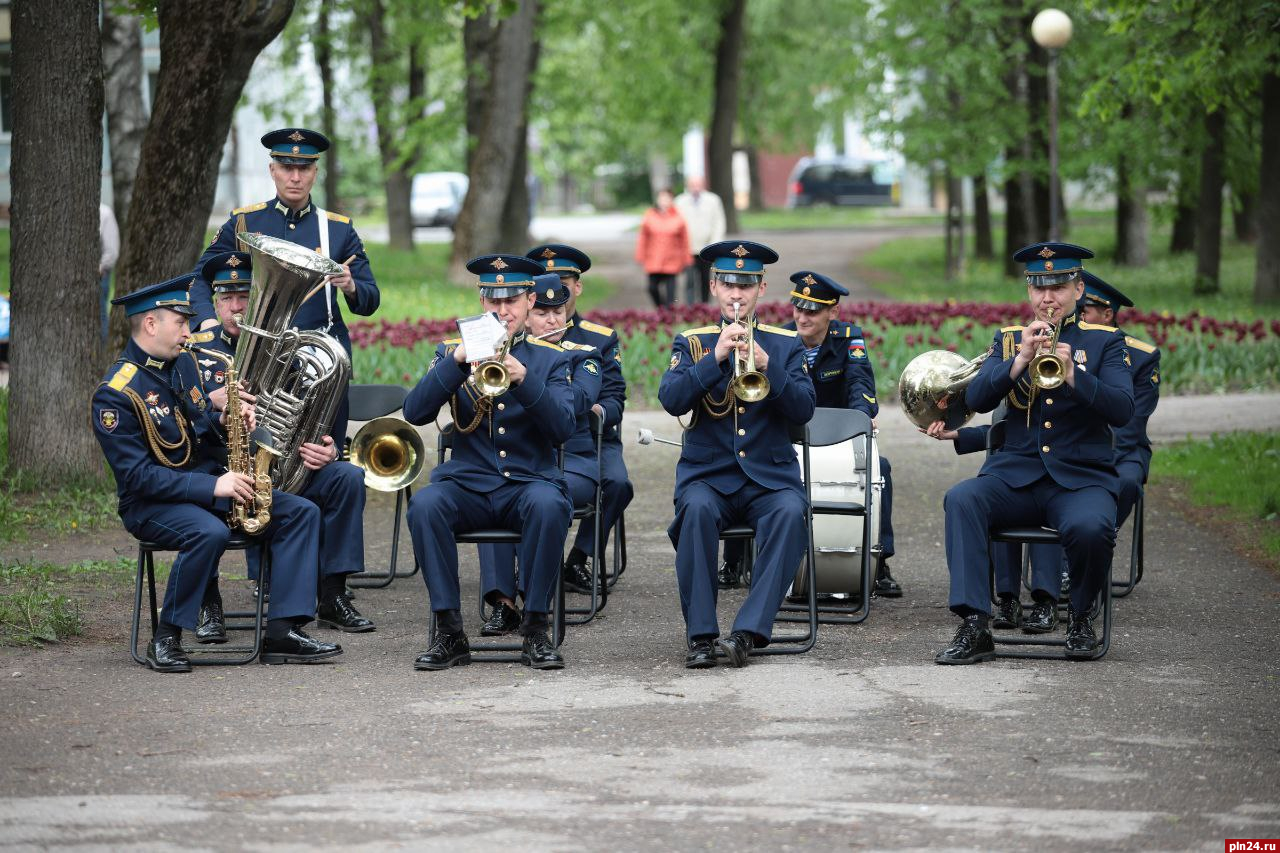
point(110, 234)
point(703, 213)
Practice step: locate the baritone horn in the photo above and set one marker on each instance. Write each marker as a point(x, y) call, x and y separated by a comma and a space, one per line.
point(748, 384)
point(391, 453)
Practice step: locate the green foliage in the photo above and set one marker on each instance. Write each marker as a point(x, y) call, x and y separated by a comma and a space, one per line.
point(35, 607)
point(1210, 472)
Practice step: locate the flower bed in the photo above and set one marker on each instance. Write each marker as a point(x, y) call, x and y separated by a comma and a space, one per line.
point(1199, 354)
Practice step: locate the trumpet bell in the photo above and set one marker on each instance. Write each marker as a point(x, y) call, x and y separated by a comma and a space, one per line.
point(391, 453)
point(1046, 372)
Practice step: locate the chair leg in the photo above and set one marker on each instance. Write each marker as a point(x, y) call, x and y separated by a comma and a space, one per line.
point(137, 609)
point(382, 580)
point(619, 549)
point(1120, 589)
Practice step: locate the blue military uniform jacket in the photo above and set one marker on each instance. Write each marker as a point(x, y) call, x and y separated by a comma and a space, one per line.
point(752, 442)
point(517, 439)
point(842, 373)
point(1132, 443)
point(275, 219)
point(613, 388)
point(1068, 437)
point(584, 382)
point(139, 389)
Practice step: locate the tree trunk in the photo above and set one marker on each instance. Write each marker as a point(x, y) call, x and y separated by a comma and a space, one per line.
point(1182, 236)
point(397, 176)
point(126, 111)
point(1209, 209)
point(983, 249)
point(495, 156)
point(1132, 247)
point(955, 226)
point(1266, 277)
point(57, 95)
point(328, 121)
point(1244, 216)
point(519, 209)
point(1038, 137)
point(1017, 184)
point(724, 110)
point(477, 45)
point(756, 203)
point(200, 81)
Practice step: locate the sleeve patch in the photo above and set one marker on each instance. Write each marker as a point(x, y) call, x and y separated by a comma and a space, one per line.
point(675, 360)
point(590, 367)
point(1155, 377)
point(109, 419)
point(856, 352)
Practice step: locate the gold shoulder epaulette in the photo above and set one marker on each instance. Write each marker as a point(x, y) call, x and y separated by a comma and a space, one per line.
point(595, 327)
point(701, 330)
point(1137, 344)
point(337, 217)
point(249, 208)
point(451, 341)
point(1088, 326)
point(202, 337)
point(123, 375)
point(777, 330)
point(547, 344)
point(575, 345)
point(1012, 329)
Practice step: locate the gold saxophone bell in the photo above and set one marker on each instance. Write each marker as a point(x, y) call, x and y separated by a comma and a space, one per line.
point(1046, 368)
point(391, 453)
point(748, 384)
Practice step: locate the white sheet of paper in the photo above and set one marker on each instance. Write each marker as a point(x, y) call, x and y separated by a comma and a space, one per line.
point(481, 335)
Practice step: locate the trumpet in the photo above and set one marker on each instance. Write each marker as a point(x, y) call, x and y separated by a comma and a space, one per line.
point(748, 384)
point(490, 376)
point(1046, 369)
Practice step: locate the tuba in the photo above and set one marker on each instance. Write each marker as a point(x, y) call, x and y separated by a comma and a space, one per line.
point(748, 384)
point(300, 377)
point(932, 388)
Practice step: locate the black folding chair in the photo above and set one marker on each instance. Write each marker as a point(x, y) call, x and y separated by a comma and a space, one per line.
point(205, 655)
point(367, 402)
point(828, 427)
point(498, 651)
point(592, 513)
point(619, 550)
point(1137, 548)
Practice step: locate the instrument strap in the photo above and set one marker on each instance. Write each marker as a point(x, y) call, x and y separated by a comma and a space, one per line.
point(322, 223)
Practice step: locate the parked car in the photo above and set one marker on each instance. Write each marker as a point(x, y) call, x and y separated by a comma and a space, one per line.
point(436, 198)
point(842, 181)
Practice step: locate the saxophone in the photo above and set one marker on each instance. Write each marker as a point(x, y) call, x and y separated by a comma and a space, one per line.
point(253, 516)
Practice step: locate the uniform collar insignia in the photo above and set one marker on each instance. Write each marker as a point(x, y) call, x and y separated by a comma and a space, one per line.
point(226, 339)
point(518, 337)
point(156, 363)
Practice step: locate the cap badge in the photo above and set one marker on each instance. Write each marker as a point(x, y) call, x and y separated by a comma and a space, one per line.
point(296, 149)
point(234, 262)
point(806, 291)
point(234, 274)
point(809, 279)
point(499, 278)
point(551, 264)
point(1046, 252)
point(740, 252)
point(499, 264)
point(296, 137)
point(547, 253)
point(739, 264)
point(1048, 265)
point(551, 294)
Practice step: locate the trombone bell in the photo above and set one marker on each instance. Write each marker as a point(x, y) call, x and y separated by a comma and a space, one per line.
point(391, 453)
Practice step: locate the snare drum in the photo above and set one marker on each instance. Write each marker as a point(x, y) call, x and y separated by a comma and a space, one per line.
point(837, 539)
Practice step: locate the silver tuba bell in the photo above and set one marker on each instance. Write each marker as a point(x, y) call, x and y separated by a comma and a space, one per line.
point(300, 377)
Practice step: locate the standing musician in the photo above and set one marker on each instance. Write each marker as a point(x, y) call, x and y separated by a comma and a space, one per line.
point(1056, 466)
point(839, 364)
point(503, 470)
point(737, 463)
point(336, 487)
point(291, 215)
point(497, 562)
point(570, 263)
point(157, 429)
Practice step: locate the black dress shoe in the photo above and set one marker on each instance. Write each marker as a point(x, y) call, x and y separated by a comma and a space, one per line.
point(338, 612)
point(737, 647)
point(701, 655)
point(885, 585)
point(971, 644)
point(577, 578)
point(211, 626)
point(729, 575)
point(1082, 643)
point(297, 647)
point(539, 653)
point(447, 650)
point(503, 620)
point(166, 655)
point(1043, 617)
point(1008, 613)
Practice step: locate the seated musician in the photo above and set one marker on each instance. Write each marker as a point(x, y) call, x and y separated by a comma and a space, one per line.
point(159, 433)
point(1056, 466)
point(497, 562)
point(336, 487)
point(839, 364)
point(616, 491)
point(737, 464)
point(503, 471)
point(1132, 459)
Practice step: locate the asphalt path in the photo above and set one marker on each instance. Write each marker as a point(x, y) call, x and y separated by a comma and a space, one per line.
point(1169, 743)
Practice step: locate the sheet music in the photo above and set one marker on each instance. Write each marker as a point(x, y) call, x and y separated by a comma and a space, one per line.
point(481, 335)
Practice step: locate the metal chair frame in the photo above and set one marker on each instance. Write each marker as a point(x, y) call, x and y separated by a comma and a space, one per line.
point(593, 513)
point(204, 655)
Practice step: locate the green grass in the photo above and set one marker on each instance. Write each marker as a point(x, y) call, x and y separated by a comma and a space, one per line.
point(1239, 471)
point(790, 219)
point(911, 268)
point(35, 607)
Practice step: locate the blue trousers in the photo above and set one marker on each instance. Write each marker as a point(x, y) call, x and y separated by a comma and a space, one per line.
point(338, 491)
point(1046, 560)
point(618, 493)
point(1085, 519)
point(540, 510)
point(498, 562)
point(701, 513)
point(200, 538)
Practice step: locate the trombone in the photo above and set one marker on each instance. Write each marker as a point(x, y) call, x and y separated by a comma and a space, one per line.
point(748, 384)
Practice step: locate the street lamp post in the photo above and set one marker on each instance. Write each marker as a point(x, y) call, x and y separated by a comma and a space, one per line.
point(1051, 29)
